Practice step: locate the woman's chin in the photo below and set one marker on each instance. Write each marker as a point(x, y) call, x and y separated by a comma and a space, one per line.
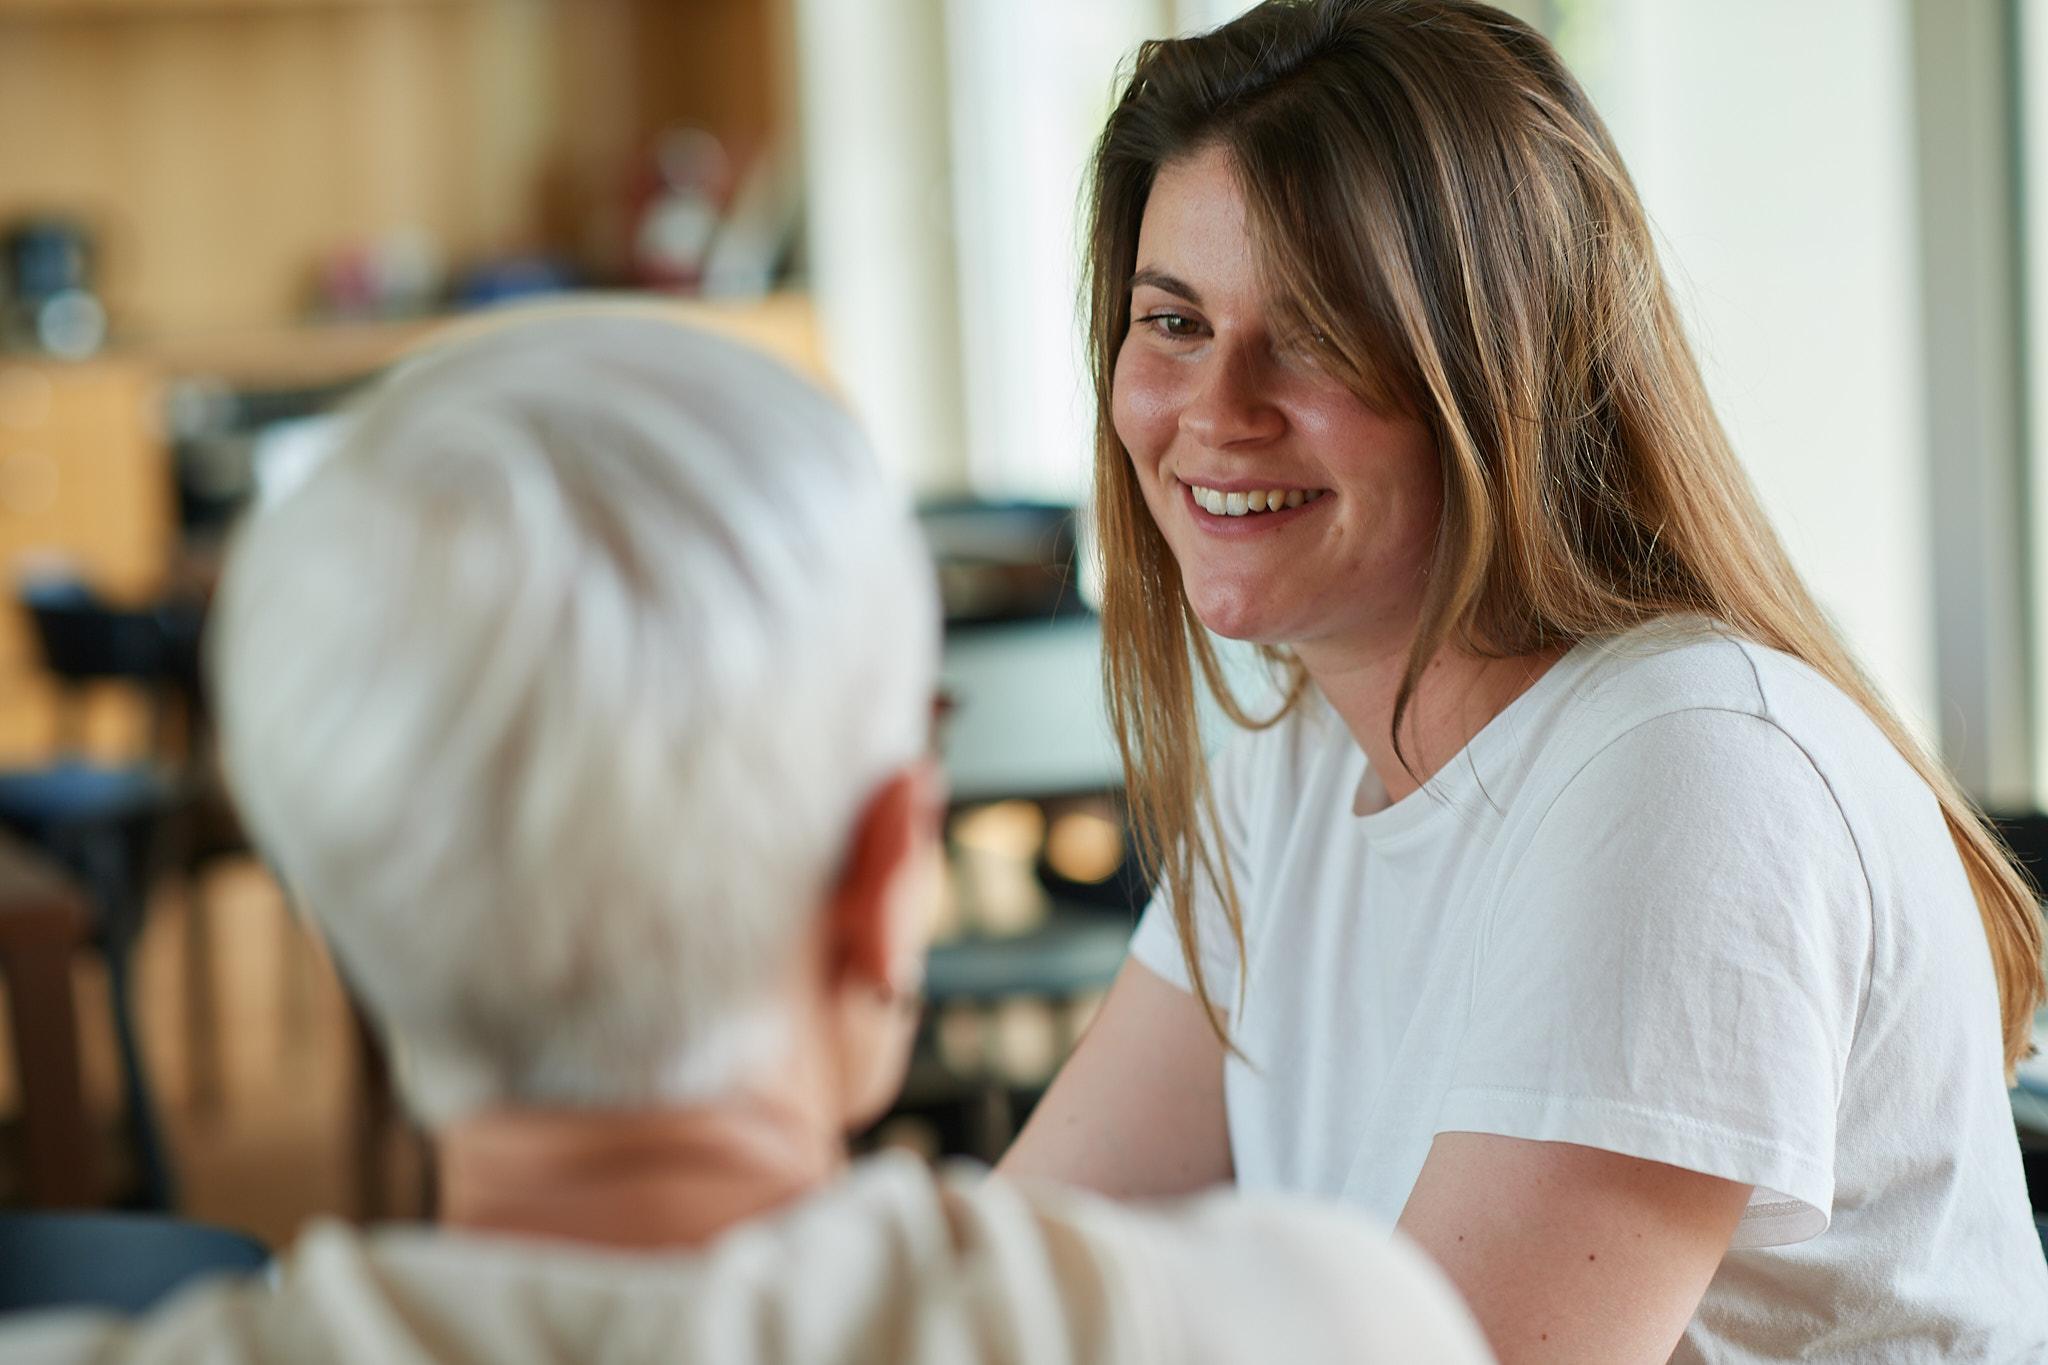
point(1235, 614)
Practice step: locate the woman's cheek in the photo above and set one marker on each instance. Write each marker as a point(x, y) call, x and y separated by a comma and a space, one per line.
point(1140, 407)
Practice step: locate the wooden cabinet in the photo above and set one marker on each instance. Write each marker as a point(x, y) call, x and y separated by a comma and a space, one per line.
point(85, 490)
point(84, 479)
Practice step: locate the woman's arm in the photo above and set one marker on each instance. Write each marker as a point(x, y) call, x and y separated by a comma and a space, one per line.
point(1568, 1253)
point(1137, 1112)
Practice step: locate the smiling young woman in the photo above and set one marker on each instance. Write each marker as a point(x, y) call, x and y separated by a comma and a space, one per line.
point(1582, 906)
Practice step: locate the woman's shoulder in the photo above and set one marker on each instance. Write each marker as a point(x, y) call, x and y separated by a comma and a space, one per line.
point(1693, 700)
point(1676, 664)
point(1692, 665)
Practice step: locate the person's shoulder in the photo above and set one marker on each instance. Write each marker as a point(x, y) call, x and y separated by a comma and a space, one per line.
point(1350, 1289)
point(234, 1320)
point(835, 1274)
point(1223, 1277)
point(1676, 664)
point(1686, 690)
point(60, 1338)
point(1693, 663)
point(891, 1260)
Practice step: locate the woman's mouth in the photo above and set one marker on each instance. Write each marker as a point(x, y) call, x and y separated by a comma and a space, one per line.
point(1218, 502)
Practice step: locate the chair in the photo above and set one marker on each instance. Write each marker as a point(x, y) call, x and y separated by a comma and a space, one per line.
point(43, 926)
point(124, 1263)
point(109, 826)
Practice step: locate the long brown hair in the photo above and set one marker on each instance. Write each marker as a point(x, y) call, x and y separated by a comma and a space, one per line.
point(1434, 198)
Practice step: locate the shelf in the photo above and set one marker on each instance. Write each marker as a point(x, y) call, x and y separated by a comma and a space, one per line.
point(783, 324)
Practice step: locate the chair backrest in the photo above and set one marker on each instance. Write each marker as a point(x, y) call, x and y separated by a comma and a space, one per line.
point(87, 640)
point(122, 1262)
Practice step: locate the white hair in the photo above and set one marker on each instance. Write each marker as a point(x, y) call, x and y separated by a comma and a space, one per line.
point(555, 692)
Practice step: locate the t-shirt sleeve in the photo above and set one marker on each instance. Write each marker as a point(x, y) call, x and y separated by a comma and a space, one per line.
point(1156, 943)
point(1677, 966)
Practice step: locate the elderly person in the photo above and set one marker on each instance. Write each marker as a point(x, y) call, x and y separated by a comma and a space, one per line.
point(584, 698)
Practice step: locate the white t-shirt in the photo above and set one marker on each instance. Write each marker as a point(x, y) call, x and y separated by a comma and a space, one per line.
point(1681, 900)
point(889, 1265)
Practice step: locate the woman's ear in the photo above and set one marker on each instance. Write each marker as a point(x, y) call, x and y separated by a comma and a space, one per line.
point(876, 918)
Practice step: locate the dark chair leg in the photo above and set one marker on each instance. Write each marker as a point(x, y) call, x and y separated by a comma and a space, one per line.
point(155, 1189)
point(115, 856)
point(119, 861)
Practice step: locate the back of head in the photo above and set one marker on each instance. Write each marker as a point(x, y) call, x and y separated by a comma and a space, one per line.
point(555, 693)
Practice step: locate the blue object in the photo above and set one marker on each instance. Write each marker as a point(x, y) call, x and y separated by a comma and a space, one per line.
point(126, 1263)
point(512, 278)
point(48, 799)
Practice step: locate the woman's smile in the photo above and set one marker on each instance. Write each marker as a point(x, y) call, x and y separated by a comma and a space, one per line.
point(1228, 508)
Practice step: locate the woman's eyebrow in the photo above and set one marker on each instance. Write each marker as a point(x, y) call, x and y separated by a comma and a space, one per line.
point(1159, 279)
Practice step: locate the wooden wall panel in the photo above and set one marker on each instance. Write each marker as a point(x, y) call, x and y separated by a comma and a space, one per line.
point(222, 151)
point(221, 156)
point(710, 62)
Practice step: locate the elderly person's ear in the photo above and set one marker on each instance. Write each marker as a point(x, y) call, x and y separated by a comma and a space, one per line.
point(876, 922)
point(880, 909)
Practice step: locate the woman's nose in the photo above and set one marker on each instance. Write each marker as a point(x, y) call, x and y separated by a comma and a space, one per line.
point(1230, 404)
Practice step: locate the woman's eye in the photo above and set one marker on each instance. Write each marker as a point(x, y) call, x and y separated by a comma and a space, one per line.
point(1172, 324)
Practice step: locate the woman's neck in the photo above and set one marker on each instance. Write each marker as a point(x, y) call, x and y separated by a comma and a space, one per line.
point(639, 1180)
point(1457, 696)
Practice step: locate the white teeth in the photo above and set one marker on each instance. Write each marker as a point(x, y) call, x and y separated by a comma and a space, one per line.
point(1220, 504)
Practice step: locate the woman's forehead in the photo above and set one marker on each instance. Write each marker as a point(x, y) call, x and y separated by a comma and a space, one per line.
point(1194, 239)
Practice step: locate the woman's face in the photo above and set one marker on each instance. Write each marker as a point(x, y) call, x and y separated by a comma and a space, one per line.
point(1219, 410)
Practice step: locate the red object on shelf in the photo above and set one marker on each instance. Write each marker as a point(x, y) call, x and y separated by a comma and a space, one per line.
point(679, 201)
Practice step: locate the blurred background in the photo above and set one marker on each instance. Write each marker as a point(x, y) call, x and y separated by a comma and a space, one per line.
point(217, 217)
